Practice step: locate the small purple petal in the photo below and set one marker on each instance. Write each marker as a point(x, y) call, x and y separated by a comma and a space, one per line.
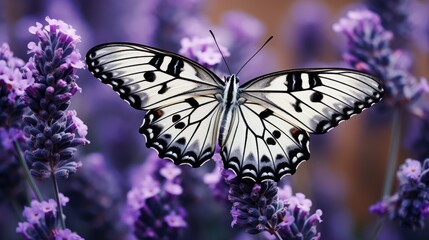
point(175, 221)
point(170, 171)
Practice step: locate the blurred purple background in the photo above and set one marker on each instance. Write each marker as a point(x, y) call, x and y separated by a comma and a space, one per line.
point(346, 171)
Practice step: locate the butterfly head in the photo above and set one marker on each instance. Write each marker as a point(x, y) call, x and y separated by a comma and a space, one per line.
point(232, 79)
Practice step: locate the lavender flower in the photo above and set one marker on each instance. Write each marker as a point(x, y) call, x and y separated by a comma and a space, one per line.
point(264, 207)
point(368, 50)
point(14, 78)
point(410, 204)
point(53, 131)
point(154, 209)
point(394, 17)
point(42, 221)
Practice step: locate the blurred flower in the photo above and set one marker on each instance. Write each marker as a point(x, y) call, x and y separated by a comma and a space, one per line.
point(368, 50)
point(417, 137)
point(154, 209)
point(53, 131)
point(14, 78)
point(394, 17)
point(242, 33)
point(258, 208)
point(410, 204)
point(165, 22)
point(215, 179)
point(203, 51)
point(42, 221)
point(95, 204)
point(307, 35)
point(420, 23)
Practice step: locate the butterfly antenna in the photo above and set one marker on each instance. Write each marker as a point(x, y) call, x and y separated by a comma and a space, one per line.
point(269, 39)
point(223, 57)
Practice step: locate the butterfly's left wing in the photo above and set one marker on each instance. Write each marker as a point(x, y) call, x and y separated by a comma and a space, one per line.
point(269, 131)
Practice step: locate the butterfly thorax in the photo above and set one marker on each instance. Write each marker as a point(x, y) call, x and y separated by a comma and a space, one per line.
point(230, 94)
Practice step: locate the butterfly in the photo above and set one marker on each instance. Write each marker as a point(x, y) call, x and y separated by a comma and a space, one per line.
point(262, 127)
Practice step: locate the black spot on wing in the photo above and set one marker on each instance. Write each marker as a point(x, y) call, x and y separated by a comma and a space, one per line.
point(163, 89)
point(314, 80)
point(276, 134)
point(270, 141)
point(294, 81)
point(181, 141)
point(175, 118)
point(157, 60)
point(297, 106)
point(149, 76)
point(266, 113)
point(180, 125)
point(175, 67)
point(316, 96)
point(194, 103)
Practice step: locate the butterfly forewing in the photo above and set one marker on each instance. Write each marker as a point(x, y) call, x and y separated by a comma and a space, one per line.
point(315, 100)
point(149, 78)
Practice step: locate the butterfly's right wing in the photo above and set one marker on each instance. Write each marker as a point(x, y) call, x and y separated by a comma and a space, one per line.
point(148, 78)
point(181, 96)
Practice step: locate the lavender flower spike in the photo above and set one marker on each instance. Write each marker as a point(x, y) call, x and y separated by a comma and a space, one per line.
point(264, 207)
point(154, 209)
point(53, 131)
point(42, 221)
point(368, 50)
point(410, 204)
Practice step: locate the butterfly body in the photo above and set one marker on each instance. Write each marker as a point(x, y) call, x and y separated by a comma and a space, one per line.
point(262, 126)
point(230, 100)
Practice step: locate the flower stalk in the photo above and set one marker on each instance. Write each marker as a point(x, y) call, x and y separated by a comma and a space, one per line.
point(393, 152)
point(28, 175)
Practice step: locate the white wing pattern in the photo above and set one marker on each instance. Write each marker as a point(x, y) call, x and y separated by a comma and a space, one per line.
point(149, 78)
point(183, 115)
point(278, 111)
point(263, 146)
point(185, 132)
point(315, 100)
point(265, 133)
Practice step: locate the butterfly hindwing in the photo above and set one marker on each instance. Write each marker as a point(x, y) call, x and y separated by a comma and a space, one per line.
point(149, 78)
point(185, 132)
point(261, 145)
point(316, 100)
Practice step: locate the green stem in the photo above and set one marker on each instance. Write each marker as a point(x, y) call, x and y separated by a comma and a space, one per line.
point(393, 152)
point(57, 198)
point(391, 165)
point(276, 234)
point(24, 166)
